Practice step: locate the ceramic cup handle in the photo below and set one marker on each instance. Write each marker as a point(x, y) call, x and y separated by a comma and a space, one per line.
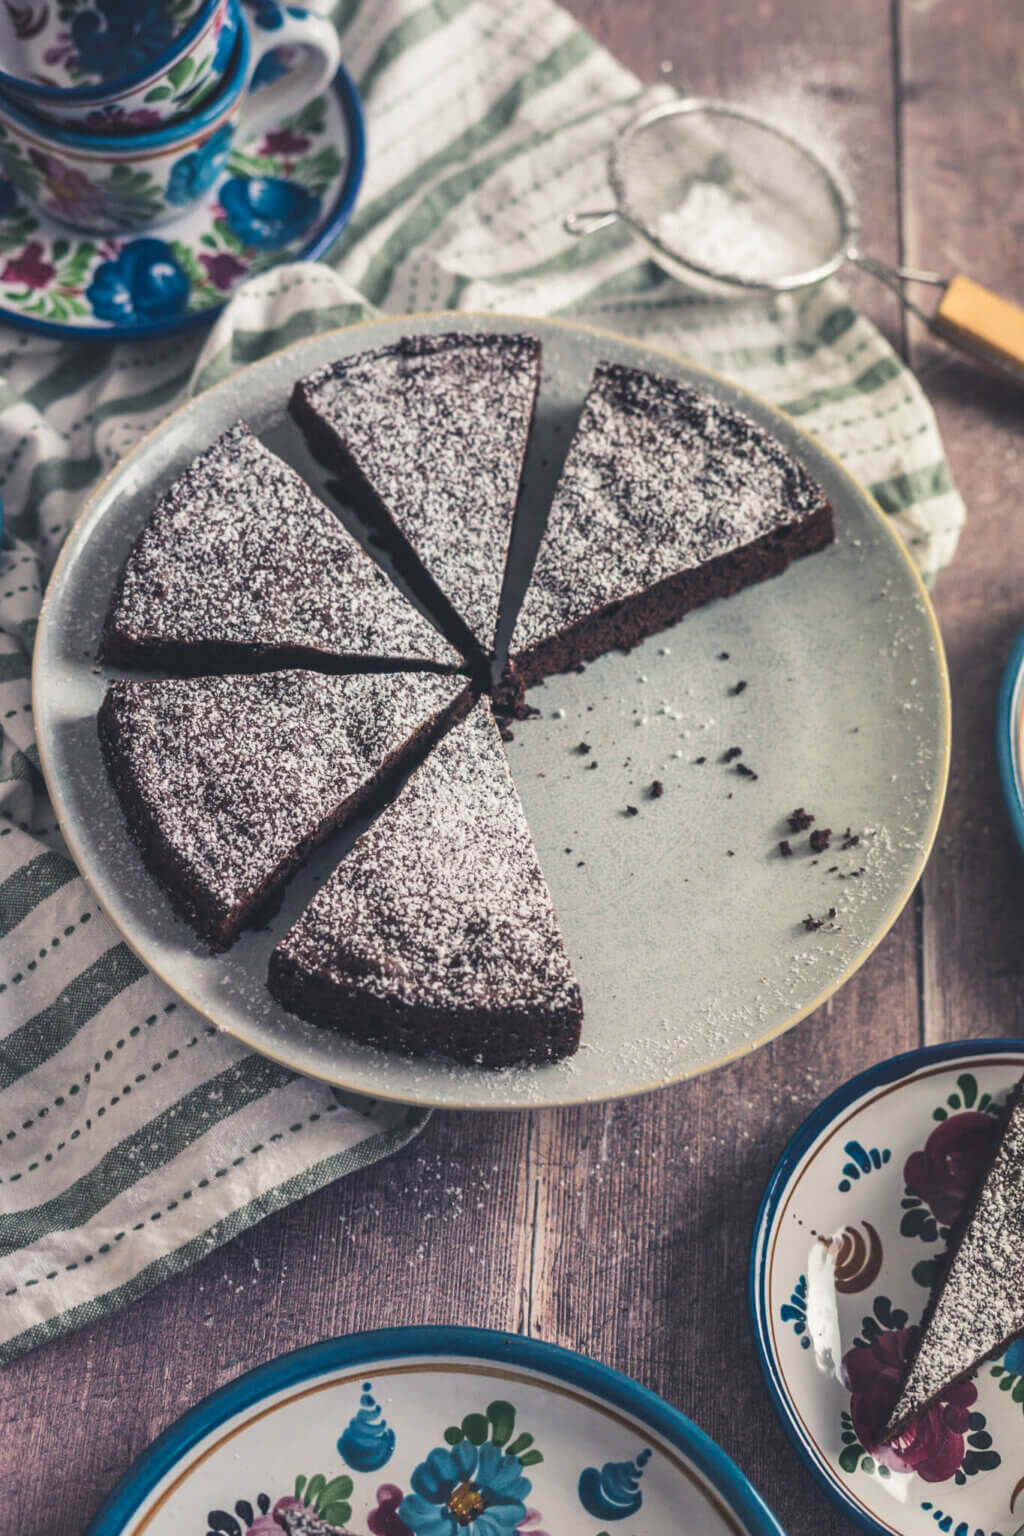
point(317, 38)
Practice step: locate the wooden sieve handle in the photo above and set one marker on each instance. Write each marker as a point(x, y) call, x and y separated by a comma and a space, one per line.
point(982, 324)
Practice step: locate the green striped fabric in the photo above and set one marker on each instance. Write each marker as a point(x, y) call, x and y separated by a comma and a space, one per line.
point(134, 1137)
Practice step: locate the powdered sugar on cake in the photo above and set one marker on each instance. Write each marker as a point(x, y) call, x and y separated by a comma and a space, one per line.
point(241, 552)
point(660, 478)
point(437, 426)
point(442, 903)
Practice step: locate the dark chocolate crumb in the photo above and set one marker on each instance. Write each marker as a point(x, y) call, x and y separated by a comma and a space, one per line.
point(506, 734)
point(723, 655)
point(656, 790)
point(785, 848)
point(568, 850)
point(580, 863)
point(745, 772)
point(850, 839)
point(812, 923)
point(739, 687)
point(583, 748)
point(833, 869)
point(592, 763)
point(730, 753)
point(730, 853)
point(819, 840)
point(631, 810)
point(799, 820)
point(700, 759)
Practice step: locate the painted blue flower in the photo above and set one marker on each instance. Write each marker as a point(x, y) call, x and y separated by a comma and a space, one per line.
point(1013, 1360)
point(8, 197)
point(466, 1485)
point(225, 43)
point(267, 211)
point(143, 282)
point(191, 176)
point(266, 14)
point(120, 36)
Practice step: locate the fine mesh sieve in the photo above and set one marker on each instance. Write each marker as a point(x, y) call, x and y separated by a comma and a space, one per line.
point(727, 201)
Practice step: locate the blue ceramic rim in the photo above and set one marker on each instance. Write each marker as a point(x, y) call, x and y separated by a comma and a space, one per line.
point(880, 1075)
point(1008, 736)
point(99, 94)
point(102, 145)
point(355, 128)
point(611, 1386)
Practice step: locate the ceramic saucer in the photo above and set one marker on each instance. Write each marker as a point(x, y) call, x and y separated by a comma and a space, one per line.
point(854, 1217)
point(283, 197)
point(433, 1432)
point(1009, 740)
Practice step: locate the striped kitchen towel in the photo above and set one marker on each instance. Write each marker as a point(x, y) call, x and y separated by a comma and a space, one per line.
point(134, 1137)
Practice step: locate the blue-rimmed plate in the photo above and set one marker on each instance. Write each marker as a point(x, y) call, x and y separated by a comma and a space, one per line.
point(851, 1224)
point(435, 1431)
point(1009, 724)
point(288, 196)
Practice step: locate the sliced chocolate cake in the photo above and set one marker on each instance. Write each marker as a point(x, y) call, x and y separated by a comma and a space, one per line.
point(436, 932)
point(668, 498)
point(978, 1304)
point(425, 439)
point(242, 568)
point(227, 782)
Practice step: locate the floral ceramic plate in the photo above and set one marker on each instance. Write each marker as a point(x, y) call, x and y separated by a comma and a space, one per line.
point(1010, 737)
point(854, 1217)
point(284, 197)
point(432, 1432)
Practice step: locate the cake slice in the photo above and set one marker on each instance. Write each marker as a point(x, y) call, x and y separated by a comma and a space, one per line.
point(241, 568)
point(667, 498)
point(437, 932)
point(426, 439)
point(978, 1304)
point(227, 782)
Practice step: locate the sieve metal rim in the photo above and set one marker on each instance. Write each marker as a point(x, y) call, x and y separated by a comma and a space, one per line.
point(842, 197)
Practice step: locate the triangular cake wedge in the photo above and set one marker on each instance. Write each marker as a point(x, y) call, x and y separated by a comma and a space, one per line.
point(978, 1304)
point(437, 931)
point(426, 439)
point(667, 498)
point(241, 567)
point(228, 782)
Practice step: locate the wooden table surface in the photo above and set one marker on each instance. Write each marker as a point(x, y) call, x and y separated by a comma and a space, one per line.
point(623, 1229)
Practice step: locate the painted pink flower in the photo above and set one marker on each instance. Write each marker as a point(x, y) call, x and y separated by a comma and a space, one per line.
point(28, 268)
point(384, 1521)
point(222, 268)
point(284, 141)
point(933, 1443)
point(948, 1168)
point(114, 119)
point(74, 195)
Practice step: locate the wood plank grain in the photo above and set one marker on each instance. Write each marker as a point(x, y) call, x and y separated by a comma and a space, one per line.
point(962, 124)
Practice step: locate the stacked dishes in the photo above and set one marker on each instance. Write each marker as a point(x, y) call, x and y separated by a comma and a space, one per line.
point(120, 115)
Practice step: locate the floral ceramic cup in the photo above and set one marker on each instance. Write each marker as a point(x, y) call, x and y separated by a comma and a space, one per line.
point(114, 185)
point(110, 65)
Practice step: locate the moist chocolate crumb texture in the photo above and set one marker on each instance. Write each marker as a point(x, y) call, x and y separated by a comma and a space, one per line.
point(241, 567)
point(228, 782)
point(668, 498)
point(425, 439)
point(978, 1304)
point(437, 932)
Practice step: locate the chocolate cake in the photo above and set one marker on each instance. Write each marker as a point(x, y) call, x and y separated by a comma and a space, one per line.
point(242, 568)
point(436, 932)
point(228, 782)
point(425, 439)
point(668, 498)
point(977, 1306)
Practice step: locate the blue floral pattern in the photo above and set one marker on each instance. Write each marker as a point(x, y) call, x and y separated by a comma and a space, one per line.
point(143, 282)
point(121, 36)
point(266, 211)
point(467, 1485)
point(198, 171)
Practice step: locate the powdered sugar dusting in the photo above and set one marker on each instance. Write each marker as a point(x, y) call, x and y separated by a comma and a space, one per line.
point(241, 552)
point(659, 478)
point(442, 903)
point(980, 1305)
point(237, 774)
point(438, 425)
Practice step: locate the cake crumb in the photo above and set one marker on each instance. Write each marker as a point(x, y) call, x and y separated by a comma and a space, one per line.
point(786, 848)
point(506, 734)
point(819, 840)
point(738, 688)
point(730, 753)
point(723, 655)
point(850, 839)
point(745, 772)
point(592, 763)
point(700, 759)
point(583, 748)
point(656, 790)
point(631, 810)
point(799, 820)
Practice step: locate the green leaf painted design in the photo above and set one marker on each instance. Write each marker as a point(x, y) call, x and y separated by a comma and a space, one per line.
point(849, 1457)
point(503, 1419)
point(923, 1272)
point(315, 1488)
point(158, 93)
point(475, 1428)
point(316, 172)
point(181, 71)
